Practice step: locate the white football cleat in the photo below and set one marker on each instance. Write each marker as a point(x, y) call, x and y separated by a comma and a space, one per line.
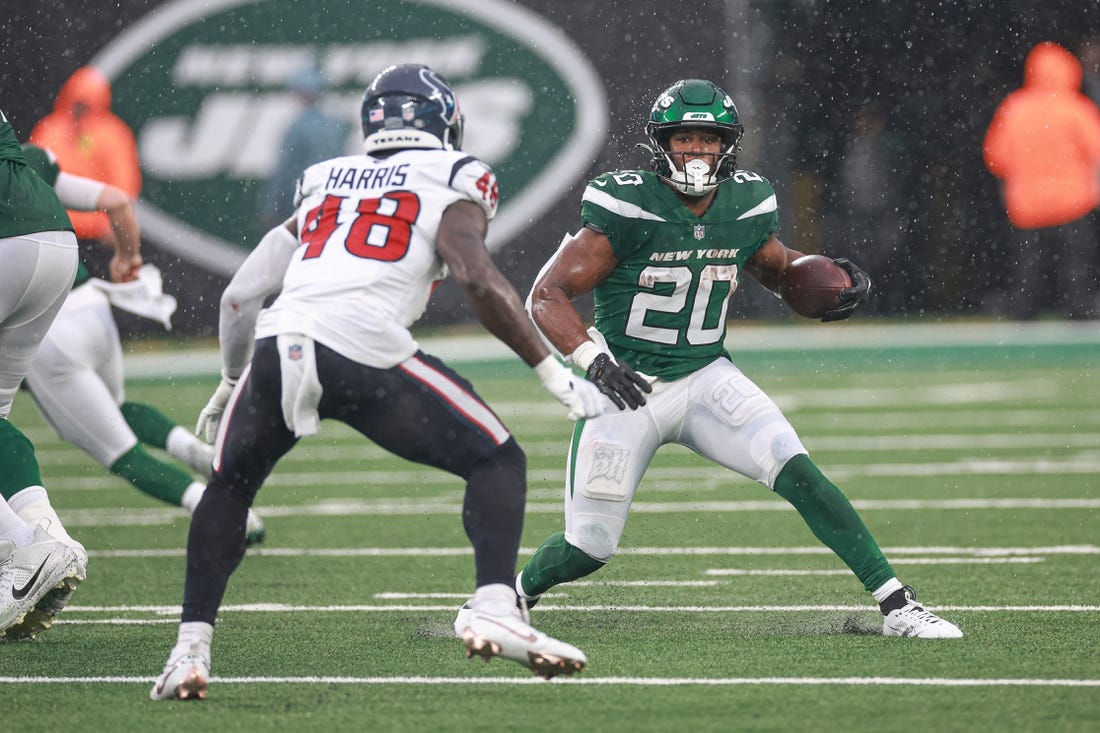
point(186, 677)
point(500, 629)
point(28, 575)
point(913, 620)
point(42, 616)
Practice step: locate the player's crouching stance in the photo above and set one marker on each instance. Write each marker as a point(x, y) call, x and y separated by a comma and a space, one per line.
point(355, 268)
point(661, 252)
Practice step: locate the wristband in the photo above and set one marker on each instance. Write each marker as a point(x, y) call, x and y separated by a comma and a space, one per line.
point(547, 369)
point(584, 354)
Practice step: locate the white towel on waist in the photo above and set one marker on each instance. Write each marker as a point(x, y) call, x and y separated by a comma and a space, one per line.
point(301, 387)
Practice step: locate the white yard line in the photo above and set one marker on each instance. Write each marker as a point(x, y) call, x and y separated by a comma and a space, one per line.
point(589, 680)
point(450, 608)
point(658, 551)
point(114, 517)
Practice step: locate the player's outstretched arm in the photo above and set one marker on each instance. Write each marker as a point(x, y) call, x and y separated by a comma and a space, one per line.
point(461, 244)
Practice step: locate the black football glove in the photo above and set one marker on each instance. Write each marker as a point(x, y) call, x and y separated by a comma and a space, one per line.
point(618, 381)
point(852, 297)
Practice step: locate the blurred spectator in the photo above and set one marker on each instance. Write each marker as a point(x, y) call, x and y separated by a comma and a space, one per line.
point(1090, 64)
point(91, 141)
point(312, 137)
point(1044, 146)
point(872, 216)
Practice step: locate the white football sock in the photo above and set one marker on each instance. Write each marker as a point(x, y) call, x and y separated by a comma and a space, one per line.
point(186, 447)
point(191, 496)
point(495, 598)
point(193, 634)
point(13, 527)
point(32, 504)
point(883, 591)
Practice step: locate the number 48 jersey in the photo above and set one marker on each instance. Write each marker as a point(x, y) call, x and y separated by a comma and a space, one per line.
point(367, 259)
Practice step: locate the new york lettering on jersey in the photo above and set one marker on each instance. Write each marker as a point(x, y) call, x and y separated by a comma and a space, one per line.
point(367, 264)
point(664, 307)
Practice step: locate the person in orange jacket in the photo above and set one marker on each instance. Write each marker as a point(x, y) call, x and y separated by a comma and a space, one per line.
point(1044, 145)
point(91, 141)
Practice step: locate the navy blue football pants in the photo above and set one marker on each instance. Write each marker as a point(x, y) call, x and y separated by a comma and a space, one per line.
point(421, 410)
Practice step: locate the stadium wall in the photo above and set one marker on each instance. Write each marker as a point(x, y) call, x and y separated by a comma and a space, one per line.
point(801, 72)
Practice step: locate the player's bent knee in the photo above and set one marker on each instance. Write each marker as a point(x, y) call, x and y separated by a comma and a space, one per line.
point(799, 474)
point(596, 540)
point(510, 454)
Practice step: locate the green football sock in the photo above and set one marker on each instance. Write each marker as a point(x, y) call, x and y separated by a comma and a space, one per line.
point(20, 467)
point(152, 476)
point(150, 425)
point(556, 562)
point(833, 520)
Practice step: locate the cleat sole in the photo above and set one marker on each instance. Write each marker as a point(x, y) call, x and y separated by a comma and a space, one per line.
point(548, 666)
point(193, 686)
point(41, 616)
point(479, 646)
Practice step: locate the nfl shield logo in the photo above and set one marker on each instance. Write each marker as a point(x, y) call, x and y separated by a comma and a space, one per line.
point(295, 352)
point(700, 231)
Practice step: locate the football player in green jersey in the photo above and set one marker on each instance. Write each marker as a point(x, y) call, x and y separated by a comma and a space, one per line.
point(661, 252)
point(40, 564)
point(77, 378)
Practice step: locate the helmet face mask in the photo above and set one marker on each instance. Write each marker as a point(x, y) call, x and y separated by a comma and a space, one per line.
point(697, 104)
point(410, 106)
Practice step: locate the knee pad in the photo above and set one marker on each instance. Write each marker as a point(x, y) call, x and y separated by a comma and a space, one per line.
point(595, 538)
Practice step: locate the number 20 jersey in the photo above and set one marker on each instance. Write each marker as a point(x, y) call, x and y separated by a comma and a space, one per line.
point(367, 259)
point(663, 309)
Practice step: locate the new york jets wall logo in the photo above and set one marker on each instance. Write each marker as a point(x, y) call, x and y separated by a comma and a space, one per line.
point(206, 86)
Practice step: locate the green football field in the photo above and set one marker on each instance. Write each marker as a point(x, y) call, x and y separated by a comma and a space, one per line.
point(973, 454)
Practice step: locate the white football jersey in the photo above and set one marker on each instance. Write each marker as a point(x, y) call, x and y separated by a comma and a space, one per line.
point(367, 262)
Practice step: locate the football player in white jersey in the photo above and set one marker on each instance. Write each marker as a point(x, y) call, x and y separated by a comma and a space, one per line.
point(77, 378)
point(355, 268)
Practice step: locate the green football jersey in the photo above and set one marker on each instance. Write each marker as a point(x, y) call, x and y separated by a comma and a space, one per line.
point(663, 309)
point(28, 204)
point(44, 163)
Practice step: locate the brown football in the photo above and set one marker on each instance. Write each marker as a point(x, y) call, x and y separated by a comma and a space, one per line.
point(811, 285)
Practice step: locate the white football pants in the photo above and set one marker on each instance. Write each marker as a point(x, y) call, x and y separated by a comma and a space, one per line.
point(718, 412)
point(36, 272)
point(77, 379)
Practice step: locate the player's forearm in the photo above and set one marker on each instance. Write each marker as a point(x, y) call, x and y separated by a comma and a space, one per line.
point(236, 330)
point(557, 319)
point(124, 223)
point(497, 306)
point(259, 276)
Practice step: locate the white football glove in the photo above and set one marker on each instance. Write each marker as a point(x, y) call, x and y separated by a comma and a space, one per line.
point(583, 398)
point(211, 416)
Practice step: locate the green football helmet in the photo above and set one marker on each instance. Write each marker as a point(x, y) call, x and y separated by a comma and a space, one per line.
point(693, 103)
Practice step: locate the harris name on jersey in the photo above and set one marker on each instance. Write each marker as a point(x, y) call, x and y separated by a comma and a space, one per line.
point(353, 177)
